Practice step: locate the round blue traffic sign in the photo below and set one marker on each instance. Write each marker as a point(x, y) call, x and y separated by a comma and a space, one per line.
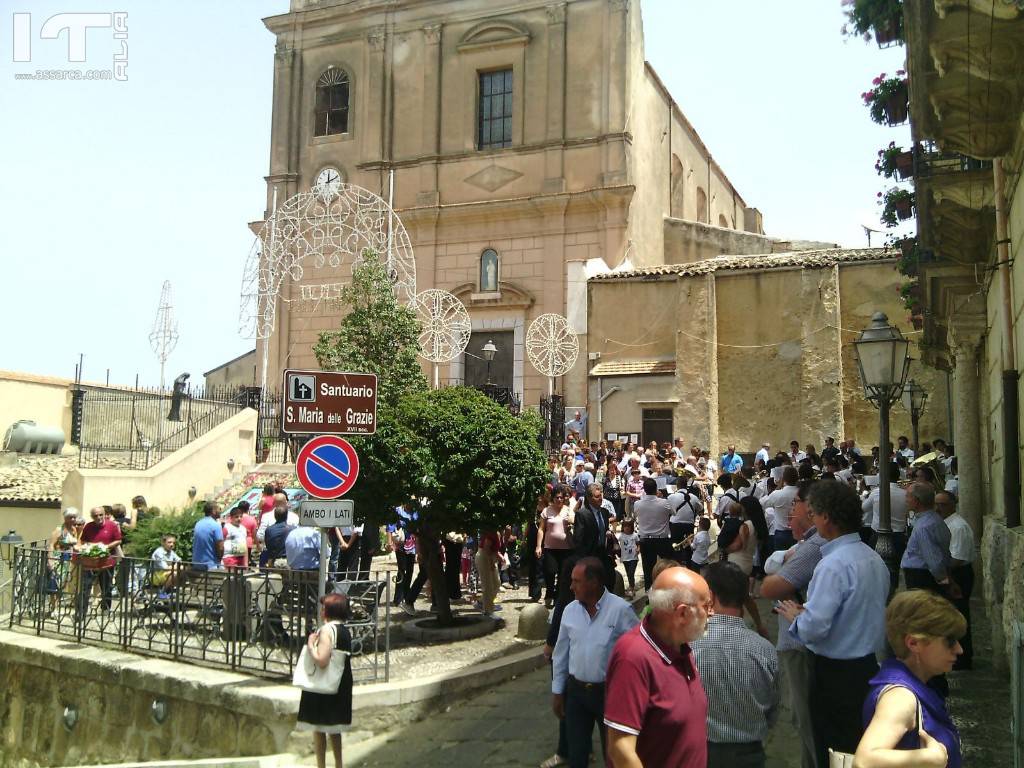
point(327, 467)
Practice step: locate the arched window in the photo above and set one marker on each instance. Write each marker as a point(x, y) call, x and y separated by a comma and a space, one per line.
point(676, 199)
point(489, 271)
point(722, 221)
point(702, 205)
point(332, 101)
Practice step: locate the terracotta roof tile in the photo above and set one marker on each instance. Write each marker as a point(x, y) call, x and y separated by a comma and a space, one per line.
point(817, 259)
point(634, 368)
point(35, 478)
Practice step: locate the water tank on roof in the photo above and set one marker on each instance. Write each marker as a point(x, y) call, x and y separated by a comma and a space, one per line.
point(29, 437)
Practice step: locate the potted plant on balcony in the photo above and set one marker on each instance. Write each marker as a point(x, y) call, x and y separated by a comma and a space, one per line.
point(895, 163)
point(897, 205)
point(911, 294)
point(888, 99)
point(917, 320)
point(883, 18)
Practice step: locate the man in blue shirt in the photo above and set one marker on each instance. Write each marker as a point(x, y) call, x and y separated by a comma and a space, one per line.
point(731, 461)
point(843, 621)
point(208, 539)
point(302, 548)
point(589, 629)
point(926, 559)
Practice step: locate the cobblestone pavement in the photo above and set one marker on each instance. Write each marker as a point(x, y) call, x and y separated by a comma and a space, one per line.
point(512, 725)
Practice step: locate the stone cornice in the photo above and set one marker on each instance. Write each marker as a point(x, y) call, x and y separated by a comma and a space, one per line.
point(508, 296)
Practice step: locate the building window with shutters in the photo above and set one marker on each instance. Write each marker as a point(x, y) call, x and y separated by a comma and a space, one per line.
point(333, 95)
point(495, 110)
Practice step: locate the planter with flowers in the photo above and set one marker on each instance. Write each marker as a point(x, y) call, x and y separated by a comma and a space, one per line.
point(911, 295)
point(889, 99)
point(897, 205)
point(94, 556)
point(917, 320)
point(882, 18)
point(894, 162)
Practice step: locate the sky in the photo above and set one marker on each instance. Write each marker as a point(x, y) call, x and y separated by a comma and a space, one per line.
point(111, 187)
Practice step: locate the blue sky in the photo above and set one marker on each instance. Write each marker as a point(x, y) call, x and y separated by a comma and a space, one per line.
point(109, 188)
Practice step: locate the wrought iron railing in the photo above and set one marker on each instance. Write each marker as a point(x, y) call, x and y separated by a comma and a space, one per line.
point(248, 621)
point(930, 161)
point(135, 428)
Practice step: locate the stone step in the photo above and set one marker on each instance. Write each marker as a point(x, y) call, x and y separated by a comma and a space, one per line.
point(267, 761)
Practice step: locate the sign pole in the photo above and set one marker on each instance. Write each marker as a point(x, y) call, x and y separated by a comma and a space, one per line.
point(325, 556)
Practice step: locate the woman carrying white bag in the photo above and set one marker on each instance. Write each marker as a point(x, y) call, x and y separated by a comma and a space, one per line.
point(324, 673)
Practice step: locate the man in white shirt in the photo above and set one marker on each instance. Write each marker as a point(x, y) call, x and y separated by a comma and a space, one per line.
point(795, 454)
point(903, 446)
point(781, 501)
point(961, 570)
point(591, 625)
point(764, 453)
point(897, 514)
point(677, 449)
point(267, 519)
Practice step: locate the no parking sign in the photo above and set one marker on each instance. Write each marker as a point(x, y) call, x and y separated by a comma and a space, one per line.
point(327, 467)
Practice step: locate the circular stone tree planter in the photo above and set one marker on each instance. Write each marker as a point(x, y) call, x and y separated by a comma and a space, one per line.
point(464, 627)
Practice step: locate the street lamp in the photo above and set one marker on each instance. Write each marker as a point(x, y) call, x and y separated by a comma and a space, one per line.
point(488, 350)
point(883, 360)
point(7, 544)
point(914, 398)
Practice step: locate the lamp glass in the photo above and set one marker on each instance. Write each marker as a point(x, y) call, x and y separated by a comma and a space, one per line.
point(489, 349)
point(882, 356)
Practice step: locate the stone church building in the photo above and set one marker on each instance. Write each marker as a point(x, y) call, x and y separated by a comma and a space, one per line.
point(533, 148)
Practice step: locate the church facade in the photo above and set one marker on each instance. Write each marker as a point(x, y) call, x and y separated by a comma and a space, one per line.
point(531, 145)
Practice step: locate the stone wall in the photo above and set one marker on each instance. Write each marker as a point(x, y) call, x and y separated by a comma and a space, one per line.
point(215, 714)
point(1002, 578)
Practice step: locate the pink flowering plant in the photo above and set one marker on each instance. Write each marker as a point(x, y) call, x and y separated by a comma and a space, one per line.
point(886, 92)
point(884, 18)
point(892, 160)
point(897, 205)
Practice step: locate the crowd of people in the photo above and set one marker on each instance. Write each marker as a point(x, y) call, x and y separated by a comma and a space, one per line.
point(690, 684)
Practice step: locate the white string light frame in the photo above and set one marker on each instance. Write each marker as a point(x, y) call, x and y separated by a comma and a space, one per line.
point(163, 337)
point(552, 346)
point(313, 235)
point(446, 326)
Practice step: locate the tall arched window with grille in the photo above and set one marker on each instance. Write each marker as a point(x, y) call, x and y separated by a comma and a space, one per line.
point(333, 95)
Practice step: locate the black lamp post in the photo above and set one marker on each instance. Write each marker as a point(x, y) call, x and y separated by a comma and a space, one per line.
point(883, 360)
point(8, 542)
point(488, 351)
point(914, 398)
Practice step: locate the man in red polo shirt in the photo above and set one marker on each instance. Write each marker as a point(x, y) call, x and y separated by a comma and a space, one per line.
point(655, 709)
point(100, 531)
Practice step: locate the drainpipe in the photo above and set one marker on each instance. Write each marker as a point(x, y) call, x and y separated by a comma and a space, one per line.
point(1011, 422)
point(601, 397)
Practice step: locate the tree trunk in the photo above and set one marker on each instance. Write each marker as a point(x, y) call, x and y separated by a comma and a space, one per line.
point(438, 584)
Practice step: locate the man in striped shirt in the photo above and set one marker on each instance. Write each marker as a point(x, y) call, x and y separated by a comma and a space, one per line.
point(739, 670)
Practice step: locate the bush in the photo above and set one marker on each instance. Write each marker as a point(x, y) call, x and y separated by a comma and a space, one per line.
point(150, 532)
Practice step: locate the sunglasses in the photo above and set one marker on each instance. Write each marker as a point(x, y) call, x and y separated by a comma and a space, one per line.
point(950, 641)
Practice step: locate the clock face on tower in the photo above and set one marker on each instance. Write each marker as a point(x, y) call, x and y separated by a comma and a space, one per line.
point(328, 181)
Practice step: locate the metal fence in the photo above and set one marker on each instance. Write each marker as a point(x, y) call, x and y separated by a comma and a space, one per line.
point(249, 621)
point(136, 428)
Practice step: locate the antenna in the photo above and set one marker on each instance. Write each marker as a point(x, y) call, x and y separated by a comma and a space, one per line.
point(869, 231)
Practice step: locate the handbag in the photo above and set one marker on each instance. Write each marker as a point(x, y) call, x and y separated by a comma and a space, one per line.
point(310, 676)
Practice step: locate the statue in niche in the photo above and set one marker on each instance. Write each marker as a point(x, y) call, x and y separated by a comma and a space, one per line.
point(489, 271)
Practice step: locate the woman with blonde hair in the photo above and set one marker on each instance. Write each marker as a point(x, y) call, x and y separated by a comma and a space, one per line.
point(906, 721)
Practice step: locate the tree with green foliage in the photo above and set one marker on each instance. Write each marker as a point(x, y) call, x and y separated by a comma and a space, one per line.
point(147, 535)
point(378, 335)
point(486, 470)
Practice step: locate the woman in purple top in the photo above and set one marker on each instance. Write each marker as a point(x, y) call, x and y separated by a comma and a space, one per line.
point(906, 721)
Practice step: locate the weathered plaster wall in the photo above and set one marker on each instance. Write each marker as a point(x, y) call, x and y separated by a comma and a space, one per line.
point(865, 289)
point(42, 399)
point(760, 323)
point(697, 375)
point(690, 241)
point(32, 521)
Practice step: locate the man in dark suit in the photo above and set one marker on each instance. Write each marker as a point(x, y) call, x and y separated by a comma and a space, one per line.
point(591, 530)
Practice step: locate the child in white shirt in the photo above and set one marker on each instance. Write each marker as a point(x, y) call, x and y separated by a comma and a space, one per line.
point(629, 544)
point(701, 545)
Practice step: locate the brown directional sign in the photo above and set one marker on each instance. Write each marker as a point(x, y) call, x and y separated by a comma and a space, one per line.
point(329, 403)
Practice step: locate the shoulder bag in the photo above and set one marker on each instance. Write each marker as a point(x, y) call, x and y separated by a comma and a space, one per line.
point(309, 676)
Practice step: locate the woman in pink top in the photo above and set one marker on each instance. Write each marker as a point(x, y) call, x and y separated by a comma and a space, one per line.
point(554, 540)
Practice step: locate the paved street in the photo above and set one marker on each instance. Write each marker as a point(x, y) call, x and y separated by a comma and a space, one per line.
point(512, 725)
